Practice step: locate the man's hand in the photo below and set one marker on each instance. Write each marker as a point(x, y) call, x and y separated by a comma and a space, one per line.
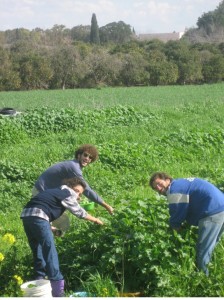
point(108, 208)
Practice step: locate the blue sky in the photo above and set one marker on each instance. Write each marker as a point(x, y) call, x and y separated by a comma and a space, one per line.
point(145, 16)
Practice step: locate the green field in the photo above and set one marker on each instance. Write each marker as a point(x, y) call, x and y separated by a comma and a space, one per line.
point(177, 129)
point(143, 97)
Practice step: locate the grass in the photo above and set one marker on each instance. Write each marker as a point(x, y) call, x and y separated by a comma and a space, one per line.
point(184, 137)
point(153, 98)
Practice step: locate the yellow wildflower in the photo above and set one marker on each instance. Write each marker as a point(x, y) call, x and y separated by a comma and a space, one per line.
point(1, 256)
point(9, 238)
point(18, 279)
point(104, 292)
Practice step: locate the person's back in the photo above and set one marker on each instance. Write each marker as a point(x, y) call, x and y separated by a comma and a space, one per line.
point(49, 201)
point(204, 199)
point(54, 175)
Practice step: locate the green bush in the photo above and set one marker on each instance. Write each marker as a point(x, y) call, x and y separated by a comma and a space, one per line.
point(135, 251)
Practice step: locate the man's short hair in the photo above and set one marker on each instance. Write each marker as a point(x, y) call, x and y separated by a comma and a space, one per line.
point(160, 175)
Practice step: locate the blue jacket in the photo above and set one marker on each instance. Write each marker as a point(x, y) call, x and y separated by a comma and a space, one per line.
point(192, 199)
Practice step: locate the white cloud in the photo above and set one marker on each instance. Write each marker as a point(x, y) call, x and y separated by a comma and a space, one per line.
point(143, 15)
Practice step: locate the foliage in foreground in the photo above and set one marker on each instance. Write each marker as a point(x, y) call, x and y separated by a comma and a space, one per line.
point(135, 251)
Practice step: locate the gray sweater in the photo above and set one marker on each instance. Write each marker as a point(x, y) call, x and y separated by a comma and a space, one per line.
point(54, 175)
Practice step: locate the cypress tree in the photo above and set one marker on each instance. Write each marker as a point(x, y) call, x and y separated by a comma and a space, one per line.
point(94, 32)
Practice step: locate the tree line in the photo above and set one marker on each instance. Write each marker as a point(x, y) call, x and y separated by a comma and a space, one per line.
point(210, 27)
point(89, 56)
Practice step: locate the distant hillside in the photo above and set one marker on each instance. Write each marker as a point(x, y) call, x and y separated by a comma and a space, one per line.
point(210, 27)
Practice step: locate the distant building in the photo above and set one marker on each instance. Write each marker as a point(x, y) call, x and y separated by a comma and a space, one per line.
point(164, 37)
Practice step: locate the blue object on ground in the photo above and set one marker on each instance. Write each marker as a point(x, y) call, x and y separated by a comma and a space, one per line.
point(79, 294)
